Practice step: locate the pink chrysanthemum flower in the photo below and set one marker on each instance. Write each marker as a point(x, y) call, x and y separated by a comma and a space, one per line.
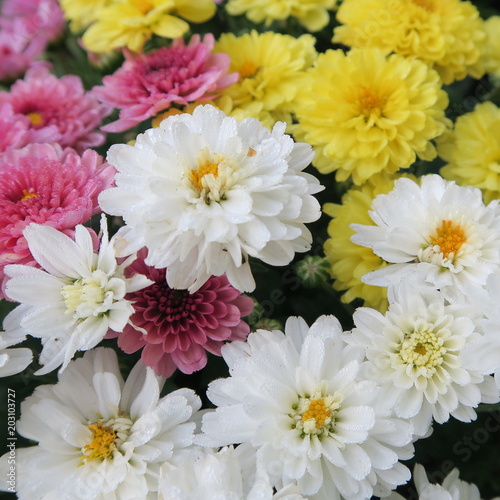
point(60, 102)
point(174, 328)
point(45, 184)
point(26, 28)
point(16, 131)
point(149, 83)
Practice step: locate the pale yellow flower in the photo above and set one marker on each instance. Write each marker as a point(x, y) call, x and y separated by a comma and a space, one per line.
point(82, 13)
point(445, 34)
point(312, 14)
point(130, 23)
point(272, 71)
point(491, 53)
point(349, 262)
point(366, 113)
point(472, 150)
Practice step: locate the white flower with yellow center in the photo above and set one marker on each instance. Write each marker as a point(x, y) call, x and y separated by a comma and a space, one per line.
point(299, 400)
point(72, 302)
point(204, 192)
point(98, 437)
point(437, 233)
point(423, 353)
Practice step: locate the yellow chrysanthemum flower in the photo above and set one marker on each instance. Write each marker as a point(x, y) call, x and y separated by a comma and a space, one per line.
point(472, 150)
point(272, 70)
point(491, 52)
point(130, 23)
point(348, 261)
point(366, 113)
point(312, 14)
point(82, 13)
point(445, 34)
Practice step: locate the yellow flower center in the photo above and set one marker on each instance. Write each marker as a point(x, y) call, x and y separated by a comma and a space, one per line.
point(35, 118)
point(88, 296)
point(196, 175)
point(103, 442)
point(317, 412)
point(449, 238)
point(28, 194)
point(247, 69)
point(371, 102)
point(144, 5)
point(422, 348)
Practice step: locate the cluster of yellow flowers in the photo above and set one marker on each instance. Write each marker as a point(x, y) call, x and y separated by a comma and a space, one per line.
point(368, 112)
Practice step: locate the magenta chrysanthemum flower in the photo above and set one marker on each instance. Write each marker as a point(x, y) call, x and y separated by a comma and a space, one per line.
point(45, 184)
point(174, 328)
point(60, 103)
point(16, 130)
point(26, 27)
point(149, 83)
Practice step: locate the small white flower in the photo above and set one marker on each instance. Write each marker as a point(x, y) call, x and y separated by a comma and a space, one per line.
point(438, 233)
point(297, 399)
point(227, 474)
point(423, 354)
point(204, 192)
point(72, 302)
point(100, 438)
point(453, 488)
point(13, 361)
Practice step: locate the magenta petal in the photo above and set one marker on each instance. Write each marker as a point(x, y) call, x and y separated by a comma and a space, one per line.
point(191, 360)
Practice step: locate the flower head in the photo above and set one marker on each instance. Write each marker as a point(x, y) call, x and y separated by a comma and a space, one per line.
point(437, 233)
point(491, 52)
point(45, 184)
point(419, 352)
point(312, 14)
point(366, 113)
point(299, 400)
point(203, 192)
point(472, 150)
point(203, 473)
point(448, 35)
point(177, 75)
point(175, 328)
point(104, 438)
point(26, 28)
point(272, 70)
point(59, 103)
point(72, 302)
point(130, 23)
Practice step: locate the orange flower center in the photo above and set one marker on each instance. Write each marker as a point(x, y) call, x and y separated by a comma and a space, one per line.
point(36, 118)
point(28, 194)
point(370, 102)
point(318, 412)
point(196, 175)
point(103, 442)
point(248, 68)
point(449, 237)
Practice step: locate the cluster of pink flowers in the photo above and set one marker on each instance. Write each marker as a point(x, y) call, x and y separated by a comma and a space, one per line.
point(26, 28)
point(149, 83)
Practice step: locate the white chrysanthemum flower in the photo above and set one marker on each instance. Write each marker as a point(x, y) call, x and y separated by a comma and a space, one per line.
point(297, 399)
point(438, 233)
point(230, 473)
point(422, 353)
point(204, 192)
point(453, 488)
point(13, 361)
point(98, 437)
point(72, 302)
